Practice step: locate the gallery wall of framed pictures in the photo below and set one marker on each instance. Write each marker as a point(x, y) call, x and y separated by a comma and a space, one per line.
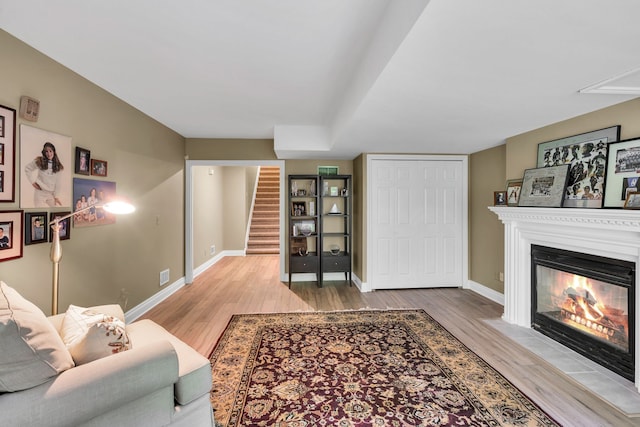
point(46, 190)
point(590, 170)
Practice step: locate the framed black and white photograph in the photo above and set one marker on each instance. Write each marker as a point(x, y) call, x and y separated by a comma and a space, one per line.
point(46, 169)
point(65, 225)
point(83, 158)
point(623, 171)
point(586, 155)
point(544, 187)
point(35, 228)
point(7, 154)
point(514, 187)
point(10, 235)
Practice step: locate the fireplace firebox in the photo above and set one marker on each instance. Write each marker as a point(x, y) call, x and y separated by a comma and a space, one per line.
point(586, 302)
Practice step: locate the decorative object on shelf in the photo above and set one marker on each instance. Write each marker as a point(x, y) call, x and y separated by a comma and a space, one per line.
point(7, 154)
point(344, 192)
point(334, 209)
point(586, 155)
point(294, 188)
point(623, 172)
point(544, 187)
point(298, 209)
point(514, 186)
point(312, 188)
point(334, 249)
point(98, 167)
point(10, 235)
point(58, 221)
point(334, 191)
point(325, 188)
point(45, 185)
point(312, 208)
point(83, 157)
point(633, 200)
point(29, 108)
point(35, 228)
point(499, 198)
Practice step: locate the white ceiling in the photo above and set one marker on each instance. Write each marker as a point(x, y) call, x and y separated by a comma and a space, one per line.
point(335, 78)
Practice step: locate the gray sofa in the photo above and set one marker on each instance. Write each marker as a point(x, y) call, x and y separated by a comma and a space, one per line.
point(159, 381)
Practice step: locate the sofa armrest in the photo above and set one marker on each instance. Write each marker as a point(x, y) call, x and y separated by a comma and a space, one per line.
point(81, 393)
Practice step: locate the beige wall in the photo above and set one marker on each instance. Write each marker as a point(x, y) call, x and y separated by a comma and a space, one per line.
point(520, 153)
point(486, 235)
point(522, 150)
point(208, 212)
point(229, 149)
point(145, 159)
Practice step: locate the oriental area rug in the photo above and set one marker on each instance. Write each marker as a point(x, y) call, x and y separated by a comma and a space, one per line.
point(358, 368)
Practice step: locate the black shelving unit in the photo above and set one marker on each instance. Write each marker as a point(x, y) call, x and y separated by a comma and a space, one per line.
point(304, 226)
point(335, 225)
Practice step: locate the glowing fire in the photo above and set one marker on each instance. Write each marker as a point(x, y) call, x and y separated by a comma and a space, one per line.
point(582, 307)
point(582, 299)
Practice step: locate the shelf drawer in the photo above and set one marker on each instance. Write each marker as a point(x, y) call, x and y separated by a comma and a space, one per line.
point(336, 263)
point(304, 264)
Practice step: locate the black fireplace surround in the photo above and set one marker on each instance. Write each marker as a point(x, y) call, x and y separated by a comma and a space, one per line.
point(601, 326)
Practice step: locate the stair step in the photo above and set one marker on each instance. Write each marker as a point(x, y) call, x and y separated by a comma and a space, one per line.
point(263, 236)
point(263, 243)
point(269, 251)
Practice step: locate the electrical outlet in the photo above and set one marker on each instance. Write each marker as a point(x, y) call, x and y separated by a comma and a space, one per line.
point(164, 277)
point(212, 250)
point(501, 276)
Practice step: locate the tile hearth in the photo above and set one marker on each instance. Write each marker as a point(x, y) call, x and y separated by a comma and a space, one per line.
point(612, 388)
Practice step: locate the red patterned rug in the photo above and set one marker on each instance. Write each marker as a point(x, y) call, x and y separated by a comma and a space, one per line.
point(358, 368)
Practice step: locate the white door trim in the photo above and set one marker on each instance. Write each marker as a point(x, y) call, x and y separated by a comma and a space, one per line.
point(371, 158)
point(188, 215)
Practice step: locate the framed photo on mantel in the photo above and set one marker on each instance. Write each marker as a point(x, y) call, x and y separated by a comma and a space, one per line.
point(544, 187)
point(586, 155)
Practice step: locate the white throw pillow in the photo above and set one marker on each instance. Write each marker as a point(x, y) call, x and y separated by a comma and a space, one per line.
point(31, 351)
point(90, 335)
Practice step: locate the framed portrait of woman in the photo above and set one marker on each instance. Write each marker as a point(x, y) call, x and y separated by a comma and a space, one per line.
point(46, 167)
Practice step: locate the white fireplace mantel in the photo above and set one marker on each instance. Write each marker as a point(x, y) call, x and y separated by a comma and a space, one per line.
point(612, 233)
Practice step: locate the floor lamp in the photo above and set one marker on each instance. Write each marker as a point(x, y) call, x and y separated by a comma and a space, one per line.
point(117, 208)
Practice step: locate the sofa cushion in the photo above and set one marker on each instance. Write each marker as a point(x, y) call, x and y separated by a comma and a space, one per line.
point(32, 351)
point(90, 334)
point(194, 370)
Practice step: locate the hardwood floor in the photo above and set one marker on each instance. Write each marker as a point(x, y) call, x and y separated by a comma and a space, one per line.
point(199, 313)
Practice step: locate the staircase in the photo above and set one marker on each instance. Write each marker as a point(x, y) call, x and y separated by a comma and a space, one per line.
point(264, 232)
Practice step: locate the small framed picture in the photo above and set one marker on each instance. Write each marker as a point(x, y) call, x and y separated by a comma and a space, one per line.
point(10, 235)
point(298, 209)
point(514, 186)
point(499, 198)
point(82, 161)
point(98, 167)
point(633, 200)
point(65, 226)
point(35, 228)
point(544, 187)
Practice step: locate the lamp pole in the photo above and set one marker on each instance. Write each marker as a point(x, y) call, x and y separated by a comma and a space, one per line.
point(56, 255)
point(117, 207)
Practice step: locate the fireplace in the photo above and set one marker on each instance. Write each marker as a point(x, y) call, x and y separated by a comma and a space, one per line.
point(608, 233)
point(585, 302)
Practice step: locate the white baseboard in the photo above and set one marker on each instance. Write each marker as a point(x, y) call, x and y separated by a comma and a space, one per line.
point(486, 292)
point(146, 305)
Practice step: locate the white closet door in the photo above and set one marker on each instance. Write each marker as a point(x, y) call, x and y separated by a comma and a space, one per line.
point(416, 224)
